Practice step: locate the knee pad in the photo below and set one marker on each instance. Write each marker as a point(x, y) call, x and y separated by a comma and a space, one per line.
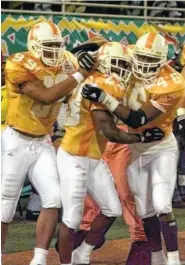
point(72, 217)
point(163, 207)
point(142, 210)
point(114, 212)
point(144, 213)
point(53, 200)
point(9, 197)
point(8, 208)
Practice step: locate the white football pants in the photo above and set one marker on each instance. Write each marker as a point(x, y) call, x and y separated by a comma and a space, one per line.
point(22, 156)
point(152, 180)
point(79, 175)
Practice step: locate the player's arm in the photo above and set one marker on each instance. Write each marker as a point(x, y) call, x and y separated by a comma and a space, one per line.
point(134, 119)
point(36, 90)
point(106, 125)
point(26, 83)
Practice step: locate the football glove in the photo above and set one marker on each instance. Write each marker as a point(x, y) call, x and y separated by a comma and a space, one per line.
point(86, 47)
point(96, 94)
point(86, 60)
point(151, 135)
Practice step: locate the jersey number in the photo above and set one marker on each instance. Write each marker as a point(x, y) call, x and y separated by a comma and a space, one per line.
point(29, 64)
point(175, 78)
point(42, 111)
point(136, 99)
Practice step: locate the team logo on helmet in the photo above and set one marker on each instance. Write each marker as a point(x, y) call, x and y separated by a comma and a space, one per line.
point(45, 42)
point(149, 55)
point(114, 60)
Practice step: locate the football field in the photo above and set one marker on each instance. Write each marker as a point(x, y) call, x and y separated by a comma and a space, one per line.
point(21, 240)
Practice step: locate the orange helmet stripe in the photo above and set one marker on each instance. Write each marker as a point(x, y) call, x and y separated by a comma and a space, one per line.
point(32, 31)
point(150, 40)
point(54, 28)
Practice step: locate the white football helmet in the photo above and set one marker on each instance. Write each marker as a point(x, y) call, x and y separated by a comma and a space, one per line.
point(45, 42)
point(149, 55)
point(114, 60)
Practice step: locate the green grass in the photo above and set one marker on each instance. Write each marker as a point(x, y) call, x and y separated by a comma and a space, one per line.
point(21, 235)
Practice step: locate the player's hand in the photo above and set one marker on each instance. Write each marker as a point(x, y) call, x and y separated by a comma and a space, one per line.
point(93, 93)
point(151, 135)
point(179, 125)
point(96, 94)
point(86, 60)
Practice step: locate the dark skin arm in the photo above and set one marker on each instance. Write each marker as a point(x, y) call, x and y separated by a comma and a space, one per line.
point(36, 90)
point(151, 112)
point(104, 122)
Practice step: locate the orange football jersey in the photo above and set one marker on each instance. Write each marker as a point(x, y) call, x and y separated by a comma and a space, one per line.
point(165, 93)
point(81, 137)
point(24, 113)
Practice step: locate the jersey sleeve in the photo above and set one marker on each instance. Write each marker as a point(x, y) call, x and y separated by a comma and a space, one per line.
point(167, 91)
point(16, 73)
point(164, 101)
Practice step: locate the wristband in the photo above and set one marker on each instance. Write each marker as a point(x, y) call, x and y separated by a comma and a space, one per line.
point(142, 138)
point(180, 111)
point(110, 103)
point(78, 77)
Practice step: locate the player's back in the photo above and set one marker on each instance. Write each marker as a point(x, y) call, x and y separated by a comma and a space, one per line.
point(24, 113)
point(82, 136)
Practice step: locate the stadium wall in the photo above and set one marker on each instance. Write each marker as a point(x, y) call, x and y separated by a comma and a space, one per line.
point(75, 30)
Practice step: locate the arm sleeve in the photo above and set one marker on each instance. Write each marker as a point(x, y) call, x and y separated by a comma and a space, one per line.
point(16, 74)
point(164, 101)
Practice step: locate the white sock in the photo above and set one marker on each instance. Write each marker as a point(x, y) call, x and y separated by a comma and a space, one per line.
point(82, 253)
point(173, 258)
point(40, 255)
point(159, 258)
point(86, 248)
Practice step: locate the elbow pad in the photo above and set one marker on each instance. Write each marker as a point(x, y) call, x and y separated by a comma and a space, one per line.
point(136, 119)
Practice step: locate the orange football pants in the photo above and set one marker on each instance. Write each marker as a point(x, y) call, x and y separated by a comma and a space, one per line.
point(117, 157)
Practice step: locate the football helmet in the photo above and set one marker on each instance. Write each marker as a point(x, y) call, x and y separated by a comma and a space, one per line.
point(149, 55)
point(45, 42)
point(114, 59)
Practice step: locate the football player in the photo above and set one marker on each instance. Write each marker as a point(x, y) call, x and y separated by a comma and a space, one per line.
point(36, 82)
point(180, 119)
point(179, 130)
point(81, 170)
point(151, 100)
point(116, 156)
